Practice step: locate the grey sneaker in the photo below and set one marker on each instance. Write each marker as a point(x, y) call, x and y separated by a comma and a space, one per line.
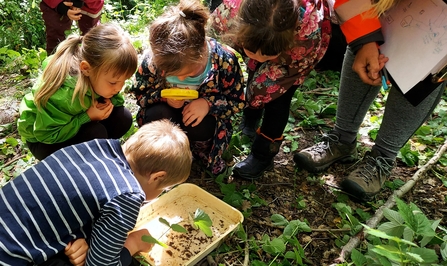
point(322, 155)
point(369, 176)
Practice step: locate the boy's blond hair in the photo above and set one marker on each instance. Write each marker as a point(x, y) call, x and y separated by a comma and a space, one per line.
point(160, 146)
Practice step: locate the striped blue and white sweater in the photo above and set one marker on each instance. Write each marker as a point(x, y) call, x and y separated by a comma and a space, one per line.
point(82, 191)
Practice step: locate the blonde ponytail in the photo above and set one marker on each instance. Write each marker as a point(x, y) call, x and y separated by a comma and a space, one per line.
point(63, 63)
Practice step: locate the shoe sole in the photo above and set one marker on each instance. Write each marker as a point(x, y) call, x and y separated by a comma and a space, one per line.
point(302, 163)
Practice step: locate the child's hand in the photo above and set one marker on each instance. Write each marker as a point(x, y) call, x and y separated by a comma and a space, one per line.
point(76, 251)
point(175, 103)
point(195, 111)
point(73, 13)
point(98, 114)
point(104, 103)
point(134, 243)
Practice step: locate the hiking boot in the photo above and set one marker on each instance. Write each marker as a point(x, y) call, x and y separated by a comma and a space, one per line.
point(322, 155)
point(369, 176)
point(252, 168)
point(260, 158)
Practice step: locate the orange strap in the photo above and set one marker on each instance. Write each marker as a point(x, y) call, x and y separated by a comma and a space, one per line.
point(265, 136)
point(346, 10)
point(359, 26)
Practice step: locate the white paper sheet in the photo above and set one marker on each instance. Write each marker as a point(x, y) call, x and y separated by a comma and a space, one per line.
point(415, 34)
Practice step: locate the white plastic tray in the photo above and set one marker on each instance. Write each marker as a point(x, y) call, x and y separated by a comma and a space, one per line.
point(175, 206)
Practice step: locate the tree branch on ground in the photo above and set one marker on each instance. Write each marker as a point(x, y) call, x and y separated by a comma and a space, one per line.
point(374, 221)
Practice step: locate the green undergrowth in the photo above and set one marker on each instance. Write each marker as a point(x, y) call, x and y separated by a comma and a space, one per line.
point(405, 237)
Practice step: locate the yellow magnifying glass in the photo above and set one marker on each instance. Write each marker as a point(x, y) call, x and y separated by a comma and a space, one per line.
point(179, 94)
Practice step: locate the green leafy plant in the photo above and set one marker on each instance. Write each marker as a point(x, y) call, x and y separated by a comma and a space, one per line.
point(199, 220)
point(175, 227)
point(202, 221)
point(408, 156)
point(285, 249)
point(407, 238)
point(244, 197)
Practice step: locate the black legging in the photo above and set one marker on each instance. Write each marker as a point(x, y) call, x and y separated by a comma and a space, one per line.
point(203, 131)
point(276, 114)
point(114, 127)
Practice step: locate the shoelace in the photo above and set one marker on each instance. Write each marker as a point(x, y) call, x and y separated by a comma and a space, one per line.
point(325, 143)
point(372, 165)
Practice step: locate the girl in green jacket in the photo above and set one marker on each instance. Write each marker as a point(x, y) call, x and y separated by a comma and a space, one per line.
point(77, 97)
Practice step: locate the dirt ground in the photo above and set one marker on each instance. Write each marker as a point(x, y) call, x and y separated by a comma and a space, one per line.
point(281, 187)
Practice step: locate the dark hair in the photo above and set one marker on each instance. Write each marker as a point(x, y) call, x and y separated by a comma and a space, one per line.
point(266, 25)
point(177, 37)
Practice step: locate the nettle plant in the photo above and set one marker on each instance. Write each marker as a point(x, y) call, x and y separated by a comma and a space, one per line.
point(407, 238)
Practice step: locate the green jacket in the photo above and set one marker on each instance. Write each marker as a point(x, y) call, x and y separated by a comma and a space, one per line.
point(60, 119)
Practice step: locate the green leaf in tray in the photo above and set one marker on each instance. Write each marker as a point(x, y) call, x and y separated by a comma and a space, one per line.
point(179, 228)
point(152, 240)
point(163, 221)
point(202, 221)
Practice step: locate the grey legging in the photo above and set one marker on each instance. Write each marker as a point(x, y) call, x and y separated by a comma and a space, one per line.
point(401, 119)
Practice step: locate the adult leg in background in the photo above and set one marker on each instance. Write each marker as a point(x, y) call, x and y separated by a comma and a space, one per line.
point(339, 145)
point(86, 22)
point(55, 26)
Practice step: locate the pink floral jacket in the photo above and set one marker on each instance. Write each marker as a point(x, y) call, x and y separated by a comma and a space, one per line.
point(269, 80)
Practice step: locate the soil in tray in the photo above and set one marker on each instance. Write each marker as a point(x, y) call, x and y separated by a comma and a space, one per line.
point(183, 248)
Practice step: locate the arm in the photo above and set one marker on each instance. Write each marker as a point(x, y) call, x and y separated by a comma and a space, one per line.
point(228, 98)
point(60, 119)
point(147, 84)
point(109, 233)
point(363, 33)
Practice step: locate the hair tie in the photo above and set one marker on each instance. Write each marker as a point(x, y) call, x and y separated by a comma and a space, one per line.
point(182, 14)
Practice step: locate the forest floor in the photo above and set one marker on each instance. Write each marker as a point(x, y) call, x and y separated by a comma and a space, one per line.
point(281, 189)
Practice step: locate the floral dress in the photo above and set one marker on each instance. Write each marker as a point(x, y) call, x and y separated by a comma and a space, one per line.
point(269, 80)
point(222, 88)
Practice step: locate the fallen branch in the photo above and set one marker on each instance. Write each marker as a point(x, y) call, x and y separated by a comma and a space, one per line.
point(374, 221)
point(16, 158)
point(317, 90)
point(247, 253)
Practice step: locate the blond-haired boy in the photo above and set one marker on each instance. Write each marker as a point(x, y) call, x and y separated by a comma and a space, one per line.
point(93, 190)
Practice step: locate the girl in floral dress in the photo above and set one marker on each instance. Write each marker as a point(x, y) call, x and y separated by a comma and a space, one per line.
point(282, 41)
point(181, 56)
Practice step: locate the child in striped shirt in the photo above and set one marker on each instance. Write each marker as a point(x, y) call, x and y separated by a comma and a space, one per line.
point(92, 191)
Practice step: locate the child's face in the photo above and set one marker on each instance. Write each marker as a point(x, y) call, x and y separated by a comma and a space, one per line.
point(191, 71)
point(152, 191)
point(107, 85)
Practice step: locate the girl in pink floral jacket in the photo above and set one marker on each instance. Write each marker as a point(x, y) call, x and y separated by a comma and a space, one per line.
point(282, 41)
